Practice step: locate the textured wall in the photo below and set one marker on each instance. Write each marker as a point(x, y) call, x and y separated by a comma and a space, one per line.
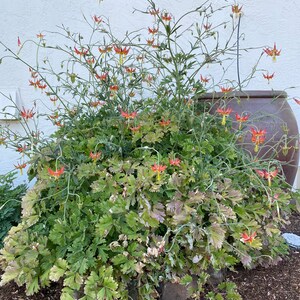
point(264, 22)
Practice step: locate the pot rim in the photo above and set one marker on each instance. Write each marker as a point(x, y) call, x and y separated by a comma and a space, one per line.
point(245, 94)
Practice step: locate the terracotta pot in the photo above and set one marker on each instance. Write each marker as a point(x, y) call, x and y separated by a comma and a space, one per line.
point(267, 110)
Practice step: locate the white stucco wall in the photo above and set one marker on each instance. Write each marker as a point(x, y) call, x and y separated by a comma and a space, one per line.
point(263, 22)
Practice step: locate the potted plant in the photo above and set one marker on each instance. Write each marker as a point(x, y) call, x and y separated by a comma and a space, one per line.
point(137, 187)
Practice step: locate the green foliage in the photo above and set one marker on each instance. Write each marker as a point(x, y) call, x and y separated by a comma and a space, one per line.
point(10, 204)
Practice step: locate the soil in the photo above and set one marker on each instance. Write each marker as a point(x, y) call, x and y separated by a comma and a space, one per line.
point(279, 282)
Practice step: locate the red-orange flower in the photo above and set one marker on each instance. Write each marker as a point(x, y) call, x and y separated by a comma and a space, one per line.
point(121, 51)
point(82, 52)
point(225, 112)
point(53, 99)
point(95, 156)
point(226, 89)
point(58, 123)
point(128, 115)
point(97, 20)
point(152, 30)
point(95, 103)
point(114, 88)
point(158, 169)
point(164, 122)
point(19, 42)
point(130, 70)
point(154, 12)
point(21, 149)
point(166, 17)
point(175, 162)
point(241, 119)
point(258, 137)
point(135, 129)
point(269, 175)
point(20, 167)
point(204, 79)
point(105, 49)
point(236, 10)
point(102, 77)
point(35, 83)
point(90, 61)
point(245, 238)
point(268, 76)
point(150, 42)
point(207, 26)
point(40, 36)
point(273, 52)
point(56, 174)
point(42, 86)
point(27, 114)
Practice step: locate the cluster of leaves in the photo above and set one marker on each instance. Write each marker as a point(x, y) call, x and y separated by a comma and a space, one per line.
point(10, 203)
point(138, 186)
point(108, 221)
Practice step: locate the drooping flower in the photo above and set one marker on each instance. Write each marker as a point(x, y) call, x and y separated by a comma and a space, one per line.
point(135, 129)
point(35, 83)
point(128, 115)
point(104, 50)
point(42, 86)
point(129, 70)
point(122, 52)
point(241, 119)
point(158, 169)
point(226, 89)
point(102, 76)
point(152, 30)
point(90, 61)
point(27, 114)
point(95, 103)
point(150, 42)
point(56, 174)
point(21, 149)
point(21, 167)
point(82, 52)
point(19, 42)
point(268, 76)
point(175, 162)
point(246, 238)
point(269, 175)
point(236, 10)
point(97, 19)
point(166, 17)
point(258, 137)
point(204, 79)
point(53, 99)
point(40, 36)
point(95, 155)
point(225, 112)
point(153, 12)
point(114, 88)
point(273, 52)
point(164, 122)
point(207, 26)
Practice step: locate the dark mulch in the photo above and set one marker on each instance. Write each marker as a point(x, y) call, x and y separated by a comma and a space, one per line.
point(279, 282)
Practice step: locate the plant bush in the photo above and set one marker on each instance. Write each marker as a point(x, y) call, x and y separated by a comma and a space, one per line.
point(139, 185)
point(10, 203)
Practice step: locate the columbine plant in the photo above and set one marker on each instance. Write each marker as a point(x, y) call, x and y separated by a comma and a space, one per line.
point(138, 186)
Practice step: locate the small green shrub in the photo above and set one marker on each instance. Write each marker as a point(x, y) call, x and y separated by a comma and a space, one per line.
point(10, 203)
point(138, 185)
